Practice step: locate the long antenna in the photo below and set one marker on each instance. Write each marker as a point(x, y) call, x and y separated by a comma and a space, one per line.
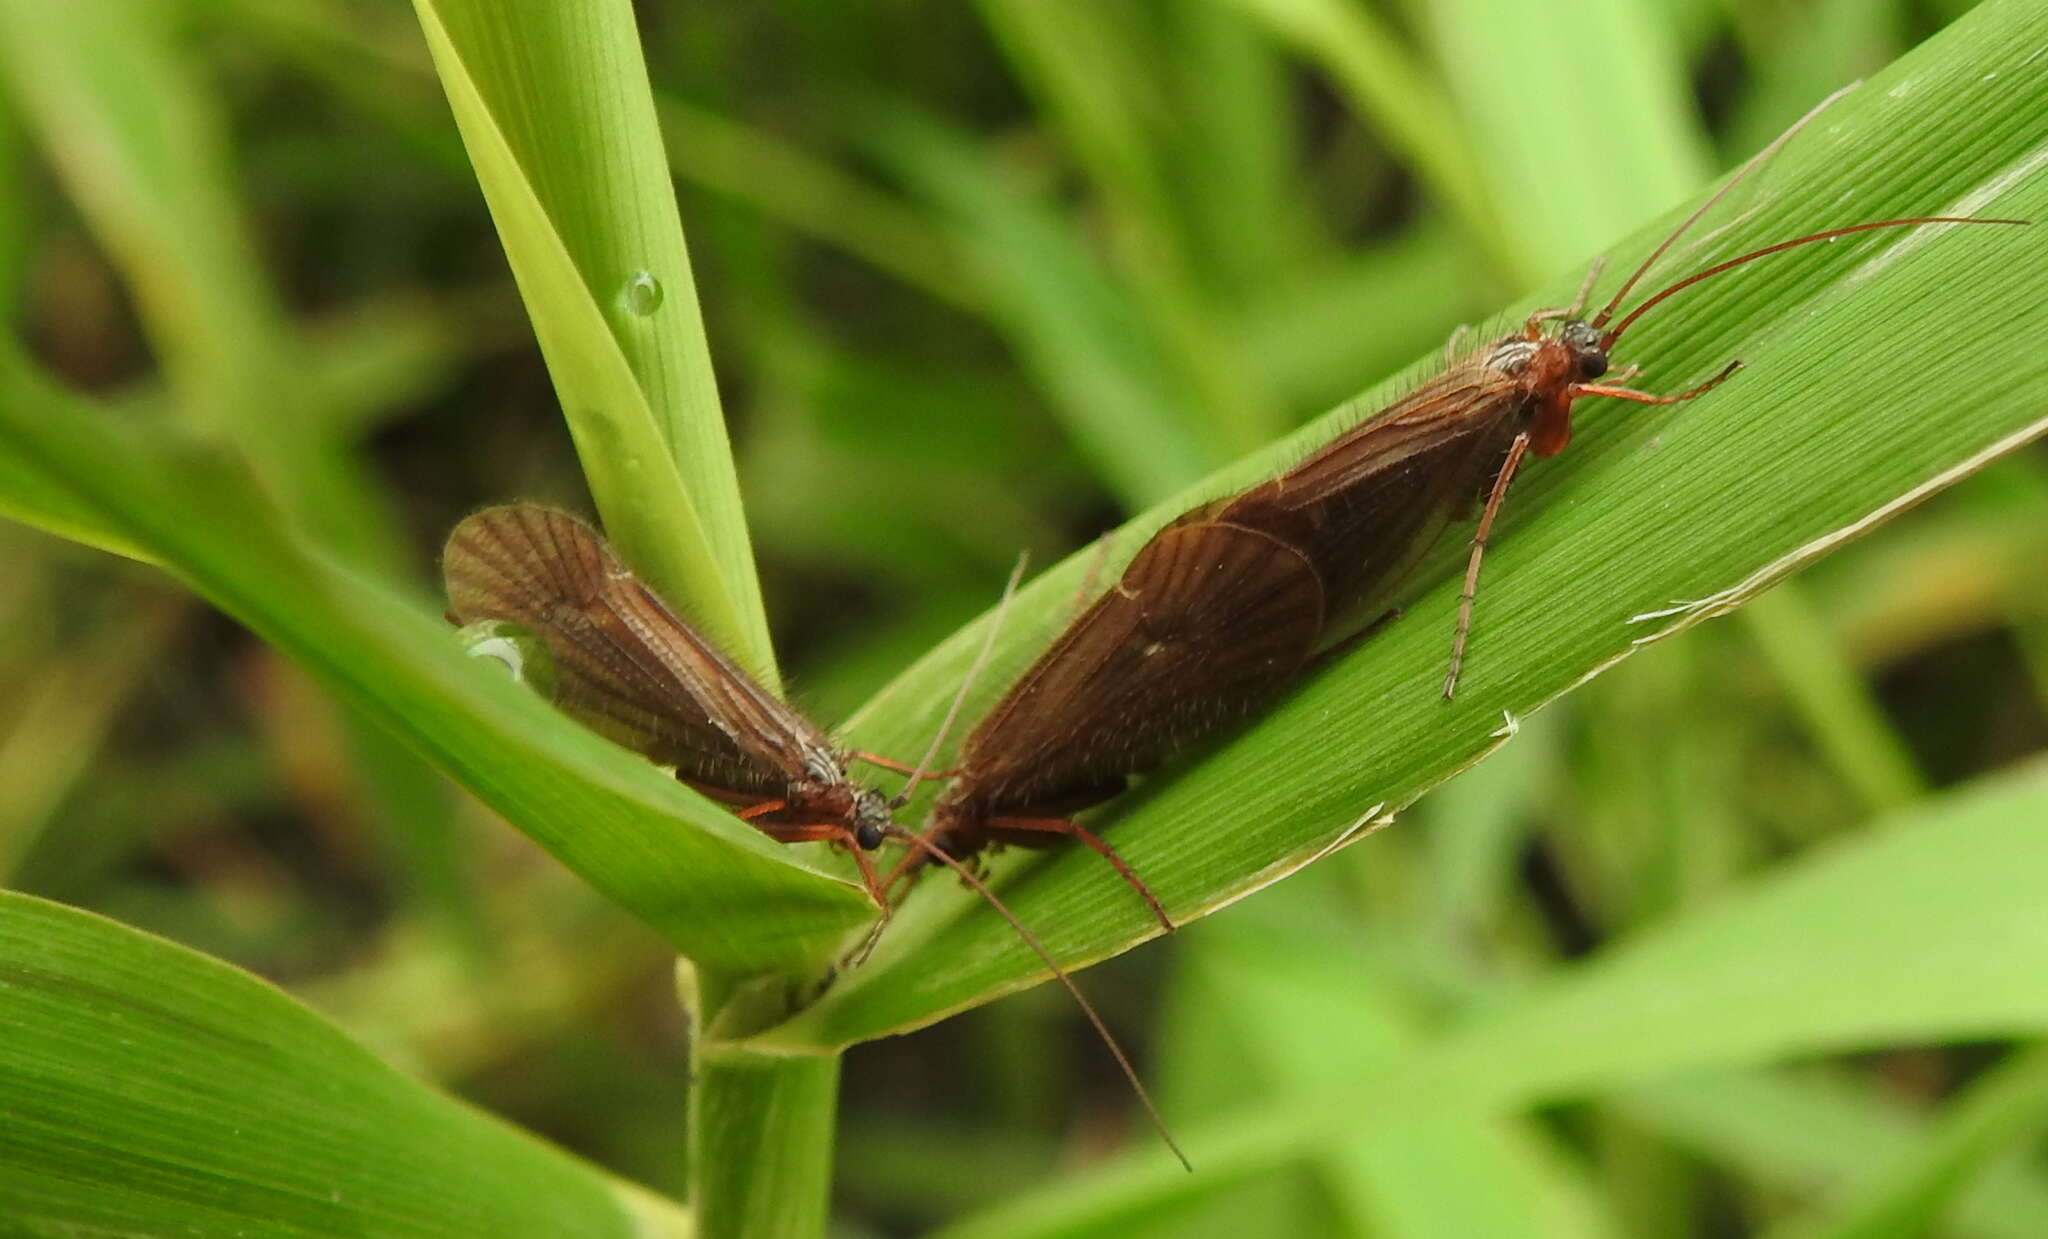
point(988, 643)
point(1088, 1009)
point(1749, 165)
point(1611, 334)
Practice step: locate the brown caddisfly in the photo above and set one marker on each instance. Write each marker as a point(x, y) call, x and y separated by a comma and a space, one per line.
point(1207, 622)
point(632, 670)
point(1224, 607)
point(1364, 508)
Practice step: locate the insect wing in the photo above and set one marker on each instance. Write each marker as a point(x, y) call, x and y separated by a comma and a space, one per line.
point(625, 665)
point(1209, 620)
point(1467, 401)
point(1370, 504)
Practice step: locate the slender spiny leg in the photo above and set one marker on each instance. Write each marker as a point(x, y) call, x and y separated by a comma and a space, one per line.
point(1064, 826)
point(1624, 374)
point(869, 941)
point(1644, 397)
point(831, 832)
point(762, 810)
point(1507, 473)
point(876, 759)
point(875, 892)
point(1493, 498)
point(807, 832)
point(868, 877)
point(887, 910)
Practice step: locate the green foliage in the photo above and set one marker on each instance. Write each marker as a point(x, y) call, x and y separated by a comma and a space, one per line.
point(209, 1101)
point(560, 126)
point(972, 275)
point(1838, 420)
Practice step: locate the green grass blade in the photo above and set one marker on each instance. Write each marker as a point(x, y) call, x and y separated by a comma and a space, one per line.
point(815, 198)
point(1845, 719)
point(1071, 323)
point(555, 108)
point(1394, 94)
point(770, 1120)
point(1087, 67)
point(718, 889)
point(1877, 373)
point(1580, 118)
point(1922, 930)
point(153, 1091)
point(1930, 928)
point(61, 717)
point(2001, 1111)
point(141, 145)
point(1311, 1020)
point(1248, 214)
point(142, 149)
point(1820, 1136)
point(31, 497)
point(1478, 828)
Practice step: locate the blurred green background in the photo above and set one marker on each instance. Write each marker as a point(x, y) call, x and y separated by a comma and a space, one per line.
point(979, 278)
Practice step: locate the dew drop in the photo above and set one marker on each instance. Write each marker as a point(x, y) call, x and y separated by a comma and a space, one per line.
point(642, 294)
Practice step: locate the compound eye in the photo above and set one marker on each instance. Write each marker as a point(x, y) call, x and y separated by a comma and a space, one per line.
point(869, 836)
point(1592, 364)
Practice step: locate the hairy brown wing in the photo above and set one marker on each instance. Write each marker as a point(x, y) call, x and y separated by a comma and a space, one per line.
point(1208, 622)
point(625, 664)
point(1369, 504)
point(1467, 400)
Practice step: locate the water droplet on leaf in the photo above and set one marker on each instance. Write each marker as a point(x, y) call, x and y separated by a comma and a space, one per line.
point(643, 294)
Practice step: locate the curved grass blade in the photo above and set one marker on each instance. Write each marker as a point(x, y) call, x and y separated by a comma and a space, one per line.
point(1927, 929)
point(559, 120)
point(1868, 387)
point(152, 1090)
point(710, 884)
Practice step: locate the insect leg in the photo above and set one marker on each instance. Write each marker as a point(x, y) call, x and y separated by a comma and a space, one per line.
point(1643, 397)
point(832, 832)
point(1493, 498)
point(1066, 826)
point(808, 832)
